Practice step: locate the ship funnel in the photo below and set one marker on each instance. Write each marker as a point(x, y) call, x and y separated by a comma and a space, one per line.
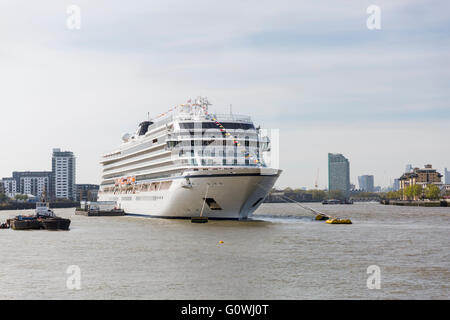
point(143, 127)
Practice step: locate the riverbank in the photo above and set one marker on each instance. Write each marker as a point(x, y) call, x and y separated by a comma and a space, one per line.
point(417, 203)
point(32, 205)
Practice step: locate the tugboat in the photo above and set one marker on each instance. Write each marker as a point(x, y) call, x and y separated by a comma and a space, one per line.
point(48, 219)
point(44, 218)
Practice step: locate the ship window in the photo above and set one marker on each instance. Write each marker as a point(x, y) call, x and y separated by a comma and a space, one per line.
point(212, 125)
point(212, 204)
point(155, 140)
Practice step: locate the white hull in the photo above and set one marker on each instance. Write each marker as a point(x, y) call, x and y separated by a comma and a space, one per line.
point(238, 194)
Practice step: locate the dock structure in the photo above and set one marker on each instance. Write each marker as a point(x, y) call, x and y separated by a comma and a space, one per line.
point(99, 213)
point(99, 209)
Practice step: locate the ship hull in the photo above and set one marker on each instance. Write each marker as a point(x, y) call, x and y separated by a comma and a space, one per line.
point(216, 196)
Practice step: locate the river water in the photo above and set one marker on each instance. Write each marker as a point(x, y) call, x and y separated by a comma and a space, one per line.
point(283, 254)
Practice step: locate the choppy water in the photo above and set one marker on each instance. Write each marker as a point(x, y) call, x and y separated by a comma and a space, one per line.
point(285, 255)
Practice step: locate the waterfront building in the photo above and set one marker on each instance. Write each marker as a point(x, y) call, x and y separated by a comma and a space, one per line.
point(9, 187)
point(63, 169)
point(338, 173)
point(366, 183)
point(447, 176)
point(36, 183)
point(423, 177)
point(87, 192)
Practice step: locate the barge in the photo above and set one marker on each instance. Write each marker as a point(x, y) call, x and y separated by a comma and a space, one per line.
point(44, 218)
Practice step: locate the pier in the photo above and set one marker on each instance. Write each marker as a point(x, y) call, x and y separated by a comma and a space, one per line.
point(417, 203)
point(99, 213)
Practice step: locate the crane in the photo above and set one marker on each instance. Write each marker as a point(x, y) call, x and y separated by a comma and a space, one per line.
point(316, 185)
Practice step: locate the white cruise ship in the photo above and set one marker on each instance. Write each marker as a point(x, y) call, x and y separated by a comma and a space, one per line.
point(189, 162)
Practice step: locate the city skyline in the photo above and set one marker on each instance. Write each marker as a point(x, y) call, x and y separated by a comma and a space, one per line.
point(324, 186)
point(59, 183)
point(314, 72)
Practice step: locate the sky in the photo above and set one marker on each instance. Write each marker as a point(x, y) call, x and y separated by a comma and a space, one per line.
point(312, 69)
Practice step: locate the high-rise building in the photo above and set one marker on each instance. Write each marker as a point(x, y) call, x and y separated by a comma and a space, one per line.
point(396, 185)
point(409, 168)
point(9, 187)
point(446, 176)
point(87, 192)
point(338, 173)
point(366, 183)
point(36, 183)
point(63, 169)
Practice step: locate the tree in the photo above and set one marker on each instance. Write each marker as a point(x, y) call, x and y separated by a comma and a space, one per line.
point(394, 195)
point(432, 192)
point(336, 194)
point(417, 191)
point(3, 197)
point(23, 197)
point(318, 195)
point(409, 192)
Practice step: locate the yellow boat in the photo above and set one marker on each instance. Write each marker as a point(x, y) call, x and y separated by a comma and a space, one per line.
point(338, 221)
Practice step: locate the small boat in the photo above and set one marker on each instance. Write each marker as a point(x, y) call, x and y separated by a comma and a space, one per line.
point(44, 218)
point(4, 225)
point(332, 201)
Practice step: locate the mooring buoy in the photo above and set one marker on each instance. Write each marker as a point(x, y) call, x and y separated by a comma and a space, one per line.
point(338, 221)
point(321, 216)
